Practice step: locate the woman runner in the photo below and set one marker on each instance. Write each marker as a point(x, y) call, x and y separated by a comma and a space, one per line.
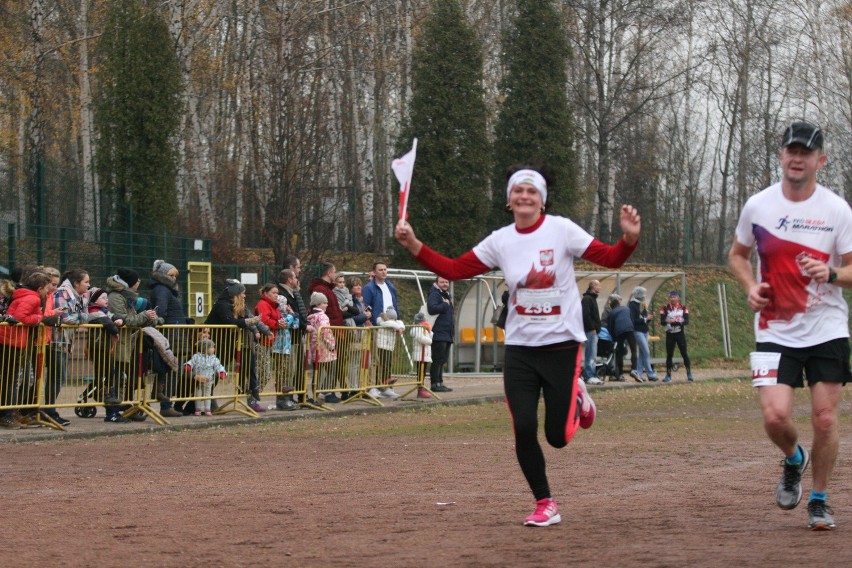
point(544, 327)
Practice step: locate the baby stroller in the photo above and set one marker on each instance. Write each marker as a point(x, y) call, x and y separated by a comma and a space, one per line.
point(95, 385)
point(91, 393)
point(605, 360)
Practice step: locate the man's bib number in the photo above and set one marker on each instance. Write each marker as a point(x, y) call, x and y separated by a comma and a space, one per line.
point(539, 306)
point(764, 368)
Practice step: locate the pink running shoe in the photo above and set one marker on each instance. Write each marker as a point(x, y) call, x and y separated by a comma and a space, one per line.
point(587, 406)
point(545, 514)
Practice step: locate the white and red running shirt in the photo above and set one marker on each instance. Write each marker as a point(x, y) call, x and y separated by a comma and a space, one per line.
point(538, 266)
point(544, 301)
point(801, 313)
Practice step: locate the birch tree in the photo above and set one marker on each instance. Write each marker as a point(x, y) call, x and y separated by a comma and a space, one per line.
point(192, 23)
point(624, 63)
point(91, 211)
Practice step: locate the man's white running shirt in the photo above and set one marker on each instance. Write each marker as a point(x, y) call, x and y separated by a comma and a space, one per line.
point(801, 313)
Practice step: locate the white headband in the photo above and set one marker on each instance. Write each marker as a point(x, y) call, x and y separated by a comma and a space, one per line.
point(531, 177)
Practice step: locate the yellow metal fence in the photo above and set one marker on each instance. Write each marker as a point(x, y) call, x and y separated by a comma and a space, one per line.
point(87, 367)
point(362, 363)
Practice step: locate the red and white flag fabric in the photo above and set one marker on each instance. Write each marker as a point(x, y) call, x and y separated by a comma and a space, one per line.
point(403, 168)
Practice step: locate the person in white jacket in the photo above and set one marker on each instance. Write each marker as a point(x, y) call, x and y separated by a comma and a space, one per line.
point(421, 335)
point(389, 328)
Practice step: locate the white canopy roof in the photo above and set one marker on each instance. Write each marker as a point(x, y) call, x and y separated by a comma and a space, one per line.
point(477, 307)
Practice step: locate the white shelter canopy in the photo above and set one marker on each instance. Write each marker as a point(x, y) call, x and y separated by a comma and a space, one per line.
point(477, 309)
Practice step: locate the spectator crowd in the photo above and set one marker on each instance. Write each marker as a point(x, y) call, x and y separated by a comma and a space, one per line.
point(619, 328)
point(282, 335)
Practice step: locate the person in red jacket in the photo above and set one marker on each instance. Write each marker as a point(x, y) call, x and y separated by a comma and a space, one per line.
point(270, 315)
point(325, 285)
point(27, 308)
point(269, 312)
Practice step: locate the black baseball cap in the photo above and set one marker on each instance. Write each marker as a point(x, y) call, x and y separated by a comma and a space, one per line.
point(804, 133)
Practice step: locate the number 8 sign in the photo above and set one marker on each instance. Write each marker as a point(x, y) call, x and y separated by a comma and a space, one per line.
point(199, 304)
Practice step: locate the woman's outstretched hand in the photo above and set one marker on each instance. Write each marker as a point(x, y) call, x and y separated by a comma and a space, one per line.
point(404, 233)
point(631, 224)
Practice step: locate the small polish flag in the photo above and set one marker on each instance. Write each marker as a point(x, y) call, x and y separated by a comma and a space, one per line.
point(403, 169)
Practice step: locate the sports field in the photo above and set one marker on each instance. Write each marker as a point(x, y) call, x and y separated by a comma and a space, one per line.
point(675, 476)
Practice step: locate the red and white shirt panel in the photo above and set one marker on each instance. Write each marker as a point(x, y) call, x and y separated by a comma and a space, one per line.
point(801, 312)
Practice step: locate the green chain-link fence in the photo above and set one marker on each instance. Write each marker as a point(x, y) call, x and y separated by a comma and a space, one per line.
point(100, 253)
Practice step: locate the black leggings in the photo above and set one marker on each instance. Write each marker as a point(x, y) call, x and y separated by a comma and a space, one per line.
point(678, 339)
point(529, 372)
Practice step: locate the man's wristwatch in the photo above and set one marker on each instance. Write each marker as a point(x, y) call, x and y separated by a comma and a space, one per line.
point(832, 275)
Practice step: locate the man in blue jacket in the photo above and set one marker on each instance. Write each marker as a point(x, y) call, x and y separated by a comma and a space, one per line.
point(379, 293)
point(439, 304)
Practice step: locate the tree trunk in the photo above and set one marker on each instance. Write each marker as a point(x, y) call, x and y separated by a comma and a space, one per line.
point(91, 203)
point(36, 157)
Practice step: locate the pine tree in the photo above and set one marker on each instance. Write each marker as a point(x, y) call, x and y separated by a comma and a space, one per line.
point(137, 115)
point(449, 201)
point(535, 121)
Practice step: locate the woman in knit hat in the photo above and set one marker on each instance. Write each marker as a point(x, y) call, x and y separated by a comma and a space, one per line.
point(167, 301)
point(122, 295)
point(165, 294)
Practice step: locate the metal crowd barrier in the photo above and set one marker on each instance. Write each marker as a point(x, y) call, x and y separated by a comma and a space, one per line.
point(230, 349)
point(22, 370)
point(86, 367)
point(356, 360)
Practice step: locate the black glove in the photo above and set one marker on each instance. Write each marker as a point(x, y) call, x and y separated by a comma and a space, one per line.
point(50, 320)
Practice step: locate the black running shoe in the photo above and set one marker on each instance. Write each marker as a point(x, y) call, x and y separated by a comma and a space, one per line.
point(788, 494)
point(58, 419)
point(117, 419)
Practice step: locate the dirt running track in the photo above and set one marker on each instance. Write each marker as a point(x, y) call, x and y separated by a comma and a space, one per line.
point(667, 477)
